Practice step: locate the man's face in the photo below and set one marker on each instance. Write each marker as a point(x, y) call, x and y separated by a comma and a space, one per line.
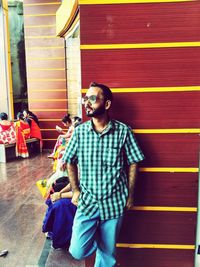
point(94, 102)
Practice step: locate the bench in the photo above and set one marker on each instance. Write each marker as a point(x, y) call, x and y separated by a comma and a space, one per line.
point(7, 151)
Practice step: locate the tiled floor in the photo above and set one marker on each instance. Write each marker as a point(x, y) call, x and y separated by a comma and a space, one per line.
point(21, 210)
point(62, 258)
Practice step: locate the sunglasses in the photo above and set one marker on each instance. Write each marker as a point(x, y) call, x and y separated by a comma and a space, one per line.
point(92, 99)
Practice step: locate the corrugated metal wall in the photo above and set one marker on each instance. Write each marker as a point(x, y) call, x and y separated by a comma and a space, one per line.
point(149, 54)
point(45, 59)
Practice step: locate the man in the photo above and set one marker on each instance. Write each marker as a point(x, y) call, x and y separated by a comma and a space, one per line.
point(101, 148)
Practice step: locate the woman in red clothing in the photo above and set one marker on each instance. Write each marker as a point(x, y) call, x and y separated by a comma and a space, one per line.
point(33, 122)
point(7, 130)
point(30, 116)
point(23, 132)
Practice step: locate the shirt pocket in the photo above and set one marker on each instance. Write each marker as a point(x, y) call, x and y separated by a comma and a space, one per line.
point(110, 156)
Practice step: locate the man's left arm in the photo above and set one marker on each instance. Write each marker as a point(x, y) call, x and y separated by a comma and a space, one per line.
point(131, 184)
point(134, 155)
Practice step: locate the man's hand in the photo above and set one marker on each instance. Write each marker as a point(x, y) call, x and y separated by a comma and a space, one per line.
point(75, 197)
point(129, 203)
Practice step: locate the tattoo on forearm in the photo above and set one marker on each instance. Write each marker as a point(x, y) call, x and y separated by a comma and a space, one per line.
point(132, 178)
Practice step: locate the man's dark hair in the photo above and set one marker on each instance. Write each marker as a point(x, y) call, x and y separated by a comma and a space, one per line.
point(106, 90)
point(66, 118)
point(3, 116)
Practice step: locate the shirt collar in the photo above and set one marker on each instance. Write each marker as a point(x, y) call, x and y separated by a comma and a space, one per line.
point(110, 126)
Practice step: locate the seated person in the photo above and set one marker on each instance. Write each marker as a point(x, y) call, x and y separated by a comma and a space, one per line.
point(60, 214)
point(23, 132)
point(56, 174)
point(30, 116)
point(63, 141)
point(65, 136)
point(7, 130)
point(33, 122)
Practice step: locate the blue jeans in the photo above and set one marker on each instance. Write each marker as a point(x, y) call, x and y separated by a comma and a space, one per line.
point(92, 234)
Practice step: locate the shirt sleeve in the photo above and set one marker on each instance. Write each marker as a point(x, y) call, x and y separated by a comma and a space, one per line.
point(132, 149)
point(71, 150)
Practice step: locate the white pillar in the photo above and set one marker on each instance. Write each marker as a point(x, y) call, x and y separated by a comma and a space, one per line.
point(6, 100)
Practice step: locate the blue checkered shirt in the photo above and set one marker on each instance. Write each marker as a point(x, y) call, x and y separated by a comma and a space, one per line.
point(101, 158)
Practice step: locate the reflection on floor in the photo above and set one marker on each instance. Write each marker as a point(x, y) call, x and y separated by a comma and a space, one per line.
point(21, 210)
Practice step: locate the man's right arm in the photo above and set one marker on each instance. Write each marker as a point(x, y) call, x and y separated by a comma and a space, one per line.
point(74, 181)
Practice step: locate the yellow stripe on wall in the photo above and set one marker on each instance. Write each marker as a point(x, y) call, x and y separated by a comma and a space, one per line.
point(157, 246)
point(45, 58)
point(44, 47)
point(43, 4)
point(149, 131)
point(134, 46)
point(39, 15)
point(46, 80)
point(46, 69)
point(39, 26)
point(160, 208)
point(170, 169)
point(152, 89)
point(104, 2)
point(153, 131)
point(47, 90)
point(48, 109)
point(167, 131)
point(41, 37)
point(46, 100)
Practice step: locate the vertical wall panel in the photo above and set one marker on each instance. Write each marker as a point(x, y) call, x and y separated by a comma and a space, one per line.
point(116, 50)
point(45, 59)
point(136, 23)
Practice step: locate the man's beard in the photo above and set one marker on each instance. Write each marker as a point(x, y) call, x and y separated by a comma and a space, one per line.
point(96, 112)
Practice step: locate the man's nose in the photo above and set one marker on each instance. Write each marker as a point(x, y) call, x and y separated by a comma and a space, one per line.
point(88, 105)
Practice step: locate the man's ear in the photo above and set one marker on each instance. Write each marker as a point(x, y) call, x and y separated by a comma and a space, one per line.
point(107, 104)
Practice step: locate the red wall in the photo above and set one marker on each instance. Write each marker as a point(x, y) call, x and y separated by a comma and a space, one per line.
point(149, 68)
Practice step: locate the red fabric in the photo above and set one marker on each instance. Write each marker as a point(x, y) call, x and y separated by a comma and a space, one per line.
point(7, 134)
point(35, 131)
point(22, 133)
